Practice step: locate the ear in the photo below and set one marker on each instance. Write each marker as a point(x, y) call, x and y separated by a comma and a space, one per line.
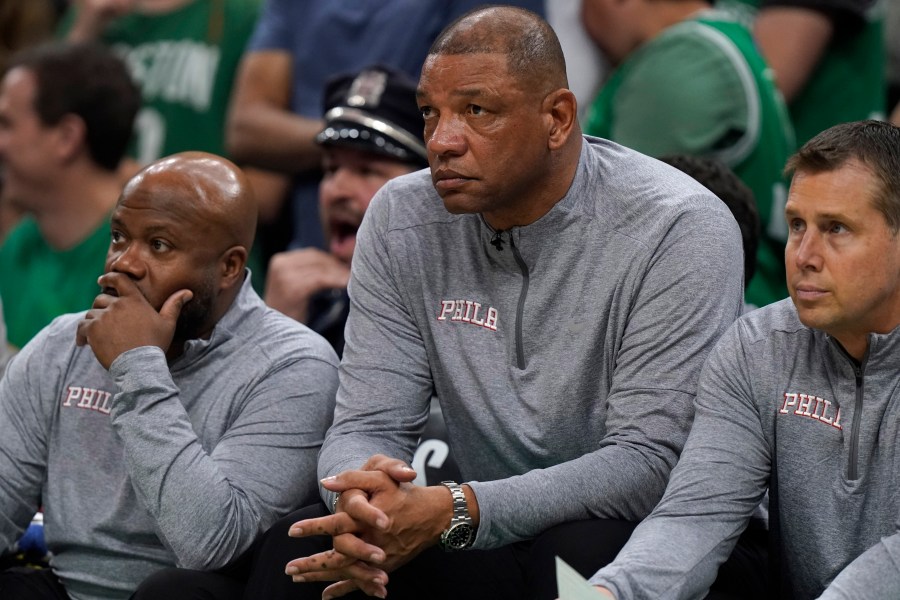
point(561, 109)
point(71, 134)
point(232, 266)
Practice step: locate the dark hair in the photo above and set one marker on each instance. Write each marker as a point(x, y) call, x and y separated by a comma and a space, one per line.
point(87, 80)
point(531, 46)
point(715, 176)
point(875, 144)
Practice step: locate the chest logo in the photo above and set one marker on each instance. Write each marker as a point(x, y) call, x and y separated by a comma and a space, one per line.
point(811, 407)
point(468, 311)
point(87, 398)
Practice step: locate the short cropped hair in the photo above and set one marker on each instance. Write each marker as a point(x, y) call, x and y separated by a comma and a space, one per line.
point(875, 144)
point(715, 176)
point(532, 49)
point(87, 80)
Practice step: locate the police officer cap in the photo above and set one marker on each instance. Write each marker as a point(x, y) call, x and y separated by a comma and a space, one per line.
point(374, 111)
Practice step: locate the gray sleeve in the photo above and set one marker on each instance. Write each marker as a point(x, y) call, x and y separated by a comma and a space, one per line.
point(874, 575)
point(384, 363)
point(721, 477)
point(24, 437)
point(676, 318)
point(210, 504)
point(5, 351)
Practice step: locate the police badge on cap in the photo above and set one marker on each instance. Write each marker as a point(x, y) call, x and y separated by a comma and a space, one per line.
point(374, 111)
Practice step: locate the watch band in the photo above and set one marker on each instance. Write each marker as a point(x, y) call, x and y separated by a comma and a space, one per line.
point(460, 508)
point(461, 532)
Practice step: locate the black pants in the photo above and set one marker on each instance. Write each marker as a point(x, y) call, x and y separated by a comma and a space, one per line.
point(517, 571)
point(524, 570)
point(24, 583)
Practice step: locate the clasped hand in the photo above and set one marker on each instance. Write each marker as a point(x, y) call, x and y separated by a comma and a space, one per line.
point(382, 521)
point(122, 319)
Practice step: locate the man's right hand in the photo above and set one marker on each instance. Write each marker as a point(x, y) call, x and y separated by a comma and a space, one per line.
point(122, 319)
point(295, 276)
point(382, 521)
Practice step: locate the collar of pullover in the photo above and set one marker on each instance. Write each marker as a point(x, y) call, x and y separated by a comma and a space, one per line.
point(553, 221)
point(244, 302)
point(883, 350)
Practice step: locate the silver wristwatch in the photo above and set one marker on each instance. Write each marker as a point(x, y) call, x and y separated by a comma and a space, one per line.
point(461, 533)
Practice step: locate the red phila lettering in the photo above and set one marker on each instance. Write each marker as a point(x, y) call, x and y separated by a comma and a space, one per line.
point(812, 407)
point(468, 311)
point(87, 398)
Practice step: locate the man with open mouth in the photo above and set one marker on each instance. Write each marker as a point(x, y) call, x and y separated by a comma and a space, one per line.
point(372, 134)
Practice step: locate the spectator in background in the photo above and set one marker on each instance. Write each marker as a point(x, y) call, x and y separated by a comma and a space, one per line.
point(296, 47)
point(585, 63)
point(801, 398)
point(689, 80)
point(892, 50)
point(66, 115)
point(176, 419)
point(23, 23)
point(372, 133)
point(827, 56)
point(183, 54)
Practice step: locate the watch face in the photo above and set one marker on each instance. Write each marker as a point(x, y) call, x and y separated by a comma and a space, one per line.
point(458, 537)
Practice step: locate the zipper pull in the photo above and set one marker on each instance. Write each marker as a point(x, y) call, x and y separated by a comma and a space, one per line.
point(497, 240)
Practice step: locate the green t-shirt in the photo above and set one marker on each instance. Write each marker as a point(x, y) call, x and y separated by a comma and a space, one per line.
point(185, 64)
point(848, 84)
point(38, 283)
point(701, 88)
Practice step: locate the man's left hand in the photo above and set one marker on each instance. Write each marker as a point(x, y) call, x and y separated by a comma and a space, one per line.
point(383, 522)
point(122, 319)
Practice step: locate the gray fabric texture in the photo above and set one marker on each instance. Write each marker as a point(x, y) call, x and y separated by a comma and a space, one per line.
point(567, 363)
point(5, 352)
point(151, 465)
point(784, 407)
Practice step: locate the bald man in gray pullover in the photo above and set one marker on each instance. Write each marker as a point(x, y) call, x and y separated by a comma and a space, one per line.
point(175, 420)
point(557, 293)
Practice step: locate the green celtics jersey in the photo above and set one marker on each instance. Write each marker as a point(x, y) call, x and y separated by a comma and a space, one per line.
point(38, 283)
point(185, 64)
point(848, 84)
point(701, 88)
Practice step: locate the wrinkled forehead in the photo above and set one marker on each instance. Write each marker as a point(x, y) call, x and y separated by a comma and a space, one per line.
point(436, 65)
point(467, 75)
point(850, 188)
point(174, 199)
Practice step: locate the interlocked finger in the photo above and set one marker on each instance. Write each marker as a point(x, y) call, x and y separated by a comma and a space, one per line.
point(342, 588)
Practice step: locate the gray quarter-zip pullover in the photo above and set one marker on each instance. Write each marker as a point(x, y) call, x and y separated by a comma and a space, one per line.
point(152, 465)
point(565, 354)
point(781, 407)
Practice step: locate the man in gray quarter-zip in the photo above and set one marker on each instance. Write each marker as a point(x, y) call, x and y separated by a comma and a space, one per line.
point(557, 293)
point(176, 419)
point(801, 398)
